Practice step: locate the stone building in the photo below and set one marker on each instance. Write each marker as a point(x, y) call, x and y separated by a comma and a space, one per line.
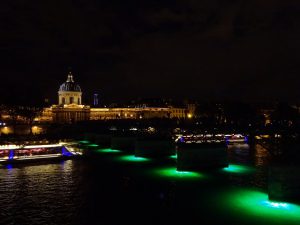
point(70, 108)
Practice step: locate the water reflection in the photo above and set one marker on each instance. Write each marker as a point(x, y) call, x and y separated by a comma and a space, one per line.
point(123, 189)
point(35, 194)
point(261, 156)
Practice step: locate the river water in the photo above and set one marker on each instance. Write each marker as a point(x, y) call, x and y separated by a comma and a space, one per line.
point(114, 188)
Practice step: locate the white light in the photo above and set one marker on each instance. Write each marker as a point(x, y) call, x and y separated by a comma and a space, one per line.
point(42, 146)
point(9, 147)
point(277, 204)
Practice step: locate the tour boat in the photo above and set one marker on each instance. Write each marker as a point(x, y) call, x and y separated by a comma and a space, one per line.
point(236, 139)
point(24, 153)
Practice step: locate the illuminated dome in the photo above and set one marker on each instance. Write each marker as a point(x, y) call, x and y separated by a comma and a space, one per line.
point(70, 85)
point(69, 92)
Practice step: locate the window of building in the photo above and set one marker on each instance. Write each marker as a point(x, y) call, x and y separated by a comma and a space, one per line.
point(71, 100)
point(63, 100)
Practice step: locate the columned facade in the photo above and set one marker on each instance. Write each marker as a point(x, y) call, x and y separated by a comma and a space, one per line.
point(70, 108)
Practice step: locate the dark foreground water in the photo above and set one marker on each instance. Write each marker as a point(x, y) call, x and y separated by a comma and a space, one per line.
point(114, 188)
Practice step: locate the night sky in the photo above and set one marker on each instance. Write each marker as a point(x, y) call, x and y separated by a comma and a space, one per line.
point(240, 50)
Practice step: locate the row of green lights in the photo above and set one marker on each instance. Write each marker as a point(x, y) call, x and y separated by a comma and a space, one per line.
point(249, 201)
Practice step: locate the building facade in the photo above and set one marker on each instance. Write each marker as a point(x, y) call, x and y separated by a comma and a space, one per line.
point(70, 109)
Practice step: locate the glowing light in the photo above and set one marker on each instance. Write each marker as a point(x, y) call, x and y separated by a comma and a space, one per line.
point(233, 168)
point(132, 158)
point(173, 156)
point(108, 150)
point(9, 166)
point(93, 145)
point(65, 152)
point(189, 115)
point(257, 205)
point(84, 142)
point(42, 146)
point(48, 156)
point(275, 204)
point(7, 147)
point(172, 172)
point(11, 155)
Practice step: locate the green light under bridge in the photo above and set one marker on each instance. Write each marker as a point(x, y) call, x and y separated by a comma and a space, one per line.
point(93, 145)
point(108, 150)
point(132, 158)
point(173, 157)
point(241, 169)
point(84, 142)
point(172, 172)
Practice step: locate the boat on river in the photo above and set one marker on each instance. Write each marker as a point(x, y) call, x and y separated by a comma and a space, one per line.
point(27, 153)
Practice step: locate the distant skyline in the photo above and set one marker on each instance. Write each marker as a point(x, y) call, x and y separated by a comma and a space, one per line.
point(208, 50)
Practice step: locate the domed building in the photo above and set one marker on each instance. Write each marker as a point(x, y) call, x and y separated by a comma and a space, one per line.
point(69, 92)
point(70, 108)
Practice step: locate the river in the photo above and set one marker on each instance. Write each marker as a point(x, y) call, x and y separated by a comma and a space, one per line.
point(114, 188)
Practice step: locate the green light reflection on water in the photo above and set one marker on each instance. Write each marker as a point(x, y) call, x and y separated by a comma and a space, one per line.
point(84, 142)
point(132, 158)
point(173, 173)
point(93, 145)
point(108, 150)
point(173, 156)
point(241, 169)
point(257, 205)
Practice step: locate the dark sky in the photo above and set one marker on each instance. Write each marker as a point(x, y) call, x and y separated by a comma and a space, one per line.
point(239, 50)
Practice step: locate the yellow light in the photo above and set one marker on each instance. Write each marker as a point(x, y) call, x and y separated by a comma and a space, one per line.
point(190, 115)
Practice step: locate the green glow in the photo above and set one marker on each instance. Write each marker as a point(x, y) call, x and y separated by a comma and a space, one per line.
point(108, 150)
point(84, 142)
point(173, 156)
point(257, 205)
point(233, 168)
point(93, 145)
point(173, 173)
point(132, 158)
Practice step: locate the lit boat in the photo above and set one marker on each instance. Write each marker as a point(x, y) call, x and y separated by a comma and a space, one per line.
point(236, 139)
point(24, 153)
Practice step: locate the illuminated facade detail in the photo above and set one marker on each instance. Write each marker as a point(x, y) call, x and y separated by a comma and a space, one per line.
point(70, 113)
point(69, 92)
point(70, 108)
point(137, 113)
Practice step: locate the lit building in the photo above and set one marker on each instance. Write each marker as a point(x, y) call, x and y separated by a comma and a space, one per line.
point(70, 109)
point(69, 92)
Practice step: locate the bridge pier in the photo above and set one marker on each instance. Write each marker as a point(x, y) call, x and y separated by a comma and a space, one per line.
point(195, 157)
